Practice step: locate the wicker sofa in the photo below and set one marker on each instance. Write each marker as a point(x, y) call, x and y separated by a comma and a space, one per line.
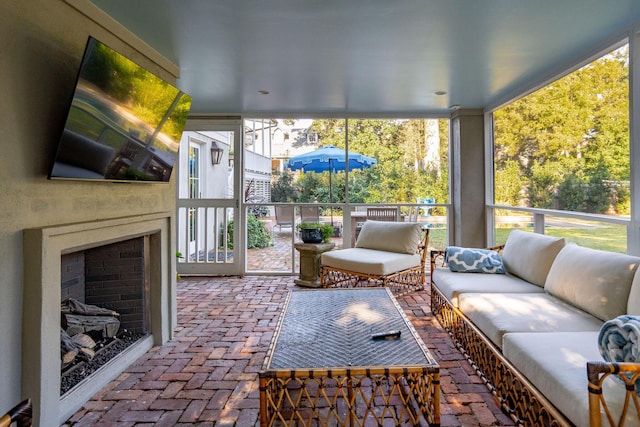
point(530, 333)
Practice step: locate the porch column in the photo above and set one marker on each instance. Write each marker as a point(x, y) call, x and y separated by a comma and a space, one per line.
point(633, 231)
point(468, 178)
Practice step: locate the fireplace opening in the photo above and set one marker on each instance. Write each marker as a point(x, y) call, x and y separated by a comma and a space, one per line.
point(104, 307)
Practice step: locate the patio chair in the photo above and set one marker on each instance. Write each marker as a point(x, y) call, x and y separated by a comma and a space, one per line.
point(284, 217)
point(387, 254)
point(21, 414)
point(414, 213)
point(309, 214)
point(382, 214)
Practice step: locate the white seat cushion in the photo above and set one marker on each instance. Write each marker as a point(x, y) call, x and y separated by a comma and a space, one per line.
point(452, 284)
point(498, 314)
point(556, 364)
point(370, 261)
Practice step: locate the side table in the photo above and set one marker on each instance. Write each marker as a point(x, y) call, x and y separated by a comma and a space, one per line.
point(310, 262)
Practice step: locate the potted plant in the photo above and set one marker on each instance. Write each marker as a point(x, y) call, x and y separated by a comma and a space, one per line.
point(314, 232)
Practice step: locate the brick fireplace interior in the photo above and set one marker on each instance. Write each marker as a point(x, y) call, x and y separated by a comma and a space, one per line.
point(110, 276)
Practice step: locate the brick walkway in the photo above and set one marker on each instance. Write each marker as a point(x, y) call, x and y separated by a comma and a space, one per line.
point(207, 375)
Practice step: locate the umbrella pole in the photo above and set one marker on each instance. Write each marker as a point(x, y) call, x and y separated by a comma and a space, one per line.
point(330, 193)
point(330, 199)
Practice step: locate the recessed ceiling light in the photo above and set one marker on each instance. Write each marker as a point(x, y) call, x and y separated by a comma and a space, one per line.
point(263, 92)
point(440, 92)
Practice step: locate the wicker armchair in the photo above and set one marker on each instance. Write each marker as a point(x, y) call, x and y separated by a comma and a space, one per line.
point(597, 373)
point(383, 257)
point(21, 414)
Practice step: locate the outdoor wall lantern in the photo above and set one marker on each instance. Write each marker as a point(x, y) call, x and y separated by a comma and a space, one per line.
point(216, 153)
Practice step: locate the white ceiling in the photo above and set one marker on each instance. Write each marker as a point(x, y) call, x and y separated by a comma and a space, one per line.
point(368, 56)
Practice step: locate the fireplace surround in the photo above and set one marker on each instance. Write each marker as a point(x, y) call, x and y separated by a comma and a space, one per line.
point(43, 250)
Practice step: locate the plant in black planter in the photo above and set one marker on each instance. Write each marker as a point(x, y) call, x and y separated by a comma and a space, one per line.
point(314, 232)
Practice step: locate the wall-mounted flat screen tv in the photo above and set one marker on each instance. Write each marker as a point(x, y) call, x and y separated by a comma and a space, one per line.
point(124, 123)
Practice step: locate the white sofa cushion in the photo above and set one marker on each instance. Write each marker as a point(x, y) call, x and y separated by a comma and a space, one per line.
point(633, 304)
point(370, 261)
point(452, 284)
point(555, 363)
point(530, 255)
point(401, 237)
point(498, 314)
point(596, 281)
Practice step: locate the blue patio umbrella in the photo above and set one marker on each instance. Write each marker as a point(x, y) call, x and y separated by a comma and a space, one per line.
point(332, 159)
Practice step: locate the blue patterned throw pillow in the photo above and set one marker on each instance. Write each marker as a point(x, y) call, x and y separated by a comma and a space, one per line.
point(472, 260)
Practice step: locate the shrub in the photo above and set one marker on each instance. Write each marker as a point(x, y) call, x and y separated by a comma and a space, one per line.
point(623, 201)
point(571, 194)
point(598, 194)
point(257, 234)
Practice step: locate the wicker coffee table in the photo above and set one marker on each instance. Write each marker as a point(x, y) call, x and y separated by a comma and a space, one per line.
point(324, 366)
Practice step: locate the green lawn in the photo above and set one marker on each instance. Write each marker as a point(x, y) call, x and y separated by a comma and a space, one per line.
point(611, 238)
point(437, 238)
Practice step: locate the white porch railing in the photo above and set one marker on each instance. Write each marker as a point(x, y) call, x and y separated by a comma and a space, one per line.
point(541, 219)
point(203, 235)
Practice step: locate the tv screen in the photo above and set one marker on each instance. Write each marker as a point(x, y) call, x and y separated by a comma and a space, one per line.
point(124, 123)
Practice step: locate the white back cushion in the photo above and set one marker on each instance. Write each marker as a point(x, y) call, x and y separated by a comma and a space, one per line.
point(633, 304)
point(596, 281)
point(401, 237)
point(530, 255)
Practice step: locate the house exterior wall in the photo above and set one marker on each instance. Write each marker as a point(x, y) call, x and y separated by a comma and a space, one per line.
point(41, 46)
point(214, 179)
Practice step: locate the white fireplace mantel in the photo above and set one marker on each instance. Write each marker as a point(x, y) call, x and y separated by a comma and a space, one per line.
point(43, 248)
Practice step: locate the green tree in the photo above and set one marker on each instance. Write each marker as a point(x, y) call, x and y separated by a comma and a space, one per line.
point(509, 192)
point(598, 197)
point(312, 188)
point(622, 200)
point(571, 193)
point(608, 142)
point(541, 188)
point(400, 148)
point(573, 126)
point(282, 188)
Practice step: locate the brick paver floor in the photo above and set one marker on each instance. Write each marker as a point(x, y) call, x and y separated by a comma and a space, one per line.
point(208, 374)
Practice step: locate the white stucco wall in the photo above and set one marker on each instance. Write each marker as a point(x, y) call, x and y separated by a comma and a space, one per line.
point(41, 45)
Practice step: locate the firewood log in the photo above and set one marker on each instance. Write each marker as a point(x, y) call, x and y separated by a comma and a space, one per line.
point(77, 324)
point(84, 340)
point(70, 349)
point(69, 357)
point(73, 306)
